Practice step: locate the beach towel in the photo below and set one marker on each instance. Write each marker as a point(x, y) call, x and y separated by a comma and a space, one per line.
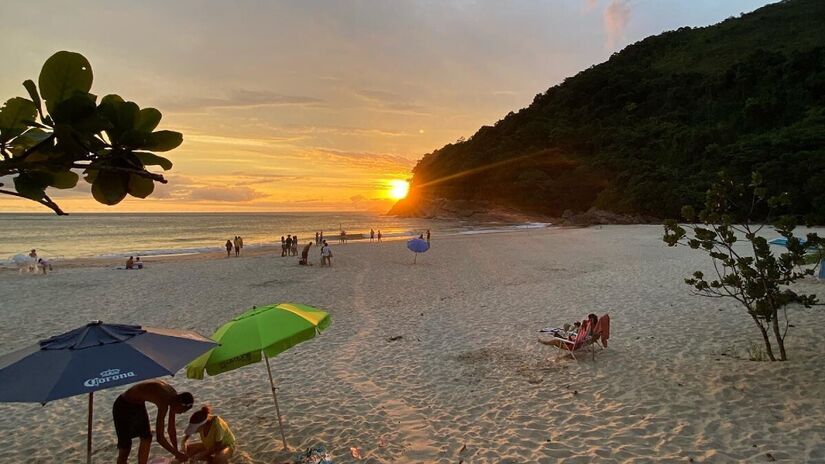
point(602, 330)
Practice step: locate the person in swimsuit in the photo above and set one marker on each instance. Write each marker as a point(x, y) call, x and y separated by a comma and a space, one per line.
point(217, 443)
point(228, 248)
point(132, 419)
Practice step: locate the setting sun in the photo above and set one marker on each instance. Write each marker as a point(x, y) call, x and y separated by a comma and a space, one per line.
point(398, 189)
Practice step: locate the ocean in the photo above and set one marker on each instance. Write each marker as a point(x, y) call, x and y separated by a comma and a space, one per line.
point(82, 235)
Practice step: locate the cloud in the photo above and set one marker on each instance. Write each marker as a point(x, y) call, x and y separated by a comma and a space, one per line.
point(616, 16)
point(390, 102)
point(240, 98)
point(225, 194)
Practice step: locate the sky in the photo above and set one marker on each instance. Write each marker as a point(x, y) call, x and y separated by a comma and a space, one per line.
point(318, 105)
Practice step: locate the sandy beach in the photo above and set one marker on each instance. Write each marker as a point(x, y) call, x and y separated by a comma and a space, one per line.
point(466, 381)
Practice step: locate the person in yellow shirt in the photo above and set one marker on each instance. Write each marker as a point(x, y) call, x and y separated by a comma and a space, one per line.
point(217, 443)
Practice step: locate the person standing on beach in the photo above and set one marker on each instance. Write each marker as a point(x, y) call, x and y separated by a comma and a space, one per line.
point(289, 245)
point(228, 248)
point(294, 245)
point(132, 419)
point(372, 235)
point(321, 237)
point(379, 236)
point(283, 246)
point(316, 238)
point(428, 235)
point(237, 246)
point(326, 254)
point(240, 241)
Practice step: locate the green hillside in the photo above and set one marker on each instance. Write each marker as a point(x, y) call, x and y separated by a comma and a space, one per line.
point(647, 131)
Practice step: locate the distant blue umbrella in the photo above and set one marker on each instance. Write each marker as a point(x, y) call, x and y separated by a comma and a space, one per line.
point(417, 245)
point(95, 357)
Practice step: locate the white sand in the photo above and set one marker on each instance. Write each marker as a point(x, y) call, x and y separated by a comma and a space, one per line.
point(467, 381)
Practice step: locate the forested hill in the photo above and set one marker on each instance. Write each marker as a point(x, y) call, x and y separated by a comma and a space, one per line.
point(647, 131)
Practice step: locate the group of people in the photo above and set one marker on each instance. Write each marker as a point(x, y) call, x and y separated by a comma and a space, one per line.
point(289, 245)
point(134, 263)
point(131, 418)
point(373, 235)
point(234, 244)
point(35, 264)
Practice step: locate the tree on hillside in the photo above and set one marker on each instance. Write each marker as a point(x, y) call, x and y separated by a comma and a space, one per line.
point(747, 272)
point(111, 142)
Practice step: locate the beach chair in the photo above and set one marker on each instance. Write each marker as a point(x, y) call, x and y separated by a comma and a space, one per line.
point(587, 339)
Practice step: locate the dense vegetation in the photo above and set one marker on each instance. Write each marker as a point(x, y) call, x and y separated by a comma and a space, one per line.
point(647, 131)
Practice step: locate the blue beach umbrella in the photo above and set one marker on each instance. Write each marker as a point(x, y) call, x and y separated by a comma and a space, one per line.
point(417, 245)
point(95, 357)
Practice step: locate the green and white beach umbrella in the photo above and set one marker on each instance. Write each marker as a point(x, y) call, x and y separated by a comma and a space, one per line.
point(261, 332)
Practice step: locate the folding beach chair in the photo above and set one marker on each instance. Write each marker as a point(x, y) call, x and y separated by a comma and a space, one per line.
point(587, 339)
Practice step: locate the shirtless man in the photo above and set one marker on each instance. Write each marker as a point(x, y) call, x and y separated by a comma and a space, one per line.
point(132, 419)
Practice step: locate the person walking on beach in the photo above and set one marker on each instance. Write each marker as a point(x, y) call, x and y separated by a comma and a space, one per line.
point(379, 236)
point(237, 246)
point(132, 419)
point(326, 255)
point(240, 241)
point(372, 235)
point(289, 245)
point(228, 248)
point(283, 246)
point(428, 235)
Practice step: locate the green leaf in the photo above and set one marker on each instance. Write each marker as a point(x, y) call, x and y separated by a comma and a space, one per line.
point(64, 179)
point(110, 188)
point(151, 159)
point(13, 116)
point(148, 120)
point(140, 187)
point(32, 89)
point(27, 140)
point(77, 108)
point(164, 140)
point(31, 185)
point(63, 75)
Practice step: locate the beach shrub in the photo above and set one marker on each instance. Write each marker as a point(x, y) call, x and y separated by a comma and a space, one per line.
point(745, 268)
point(111, 142)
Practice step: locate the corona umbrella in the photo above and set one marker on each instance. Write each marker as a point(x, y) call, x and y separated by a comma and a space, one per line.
point(260, 333)
point(95, 357)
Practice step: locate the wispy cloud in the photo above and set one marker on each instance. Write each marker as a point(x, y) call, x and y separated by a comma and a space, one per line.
point(381, 100)
point(240, 98)
point(616, 16)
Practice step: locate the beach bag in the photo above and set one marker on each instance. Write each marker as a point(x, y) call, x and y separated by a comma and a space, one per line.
point(317, 455)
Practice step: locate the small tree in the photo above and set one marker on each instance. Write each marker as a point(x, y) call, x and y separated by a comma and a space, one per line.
point(110, 142)
point(747, 272)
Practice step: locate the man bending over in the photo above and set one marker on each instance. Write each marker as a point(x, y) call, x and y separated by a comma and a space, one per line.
point(132, 418)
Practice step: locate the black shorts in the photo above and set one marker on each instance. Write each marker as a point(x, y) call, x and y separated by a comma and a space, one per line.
point(131, 421)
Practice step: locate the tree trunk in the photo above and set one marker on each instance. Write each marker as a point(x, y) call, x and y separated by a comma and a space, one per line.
point(765, 337)
point(778, 335)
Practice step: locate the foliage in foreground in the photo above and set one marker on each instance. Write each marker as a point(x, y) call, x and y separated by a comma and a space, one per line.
point(745, 268)
point(111, 142)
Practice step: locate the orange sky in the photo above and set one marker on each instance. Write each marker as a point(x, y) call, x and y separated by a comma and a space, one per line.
point(317, 105)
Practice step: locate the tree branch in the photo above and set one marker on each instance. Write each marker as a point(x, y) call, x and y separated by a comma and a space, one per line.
point(45, 201)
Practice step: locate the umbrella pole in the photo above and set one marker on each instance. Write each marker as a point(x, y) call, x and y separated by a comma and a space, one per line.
point(275, 397)
point(89, 430)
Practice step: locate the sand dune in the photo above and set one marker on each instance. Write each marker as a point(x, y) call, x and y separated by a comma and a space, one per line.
point(467, 381)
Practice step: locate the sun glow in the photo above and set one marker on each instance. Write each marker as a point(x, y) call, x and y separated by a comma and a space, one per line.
point(398, 189)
